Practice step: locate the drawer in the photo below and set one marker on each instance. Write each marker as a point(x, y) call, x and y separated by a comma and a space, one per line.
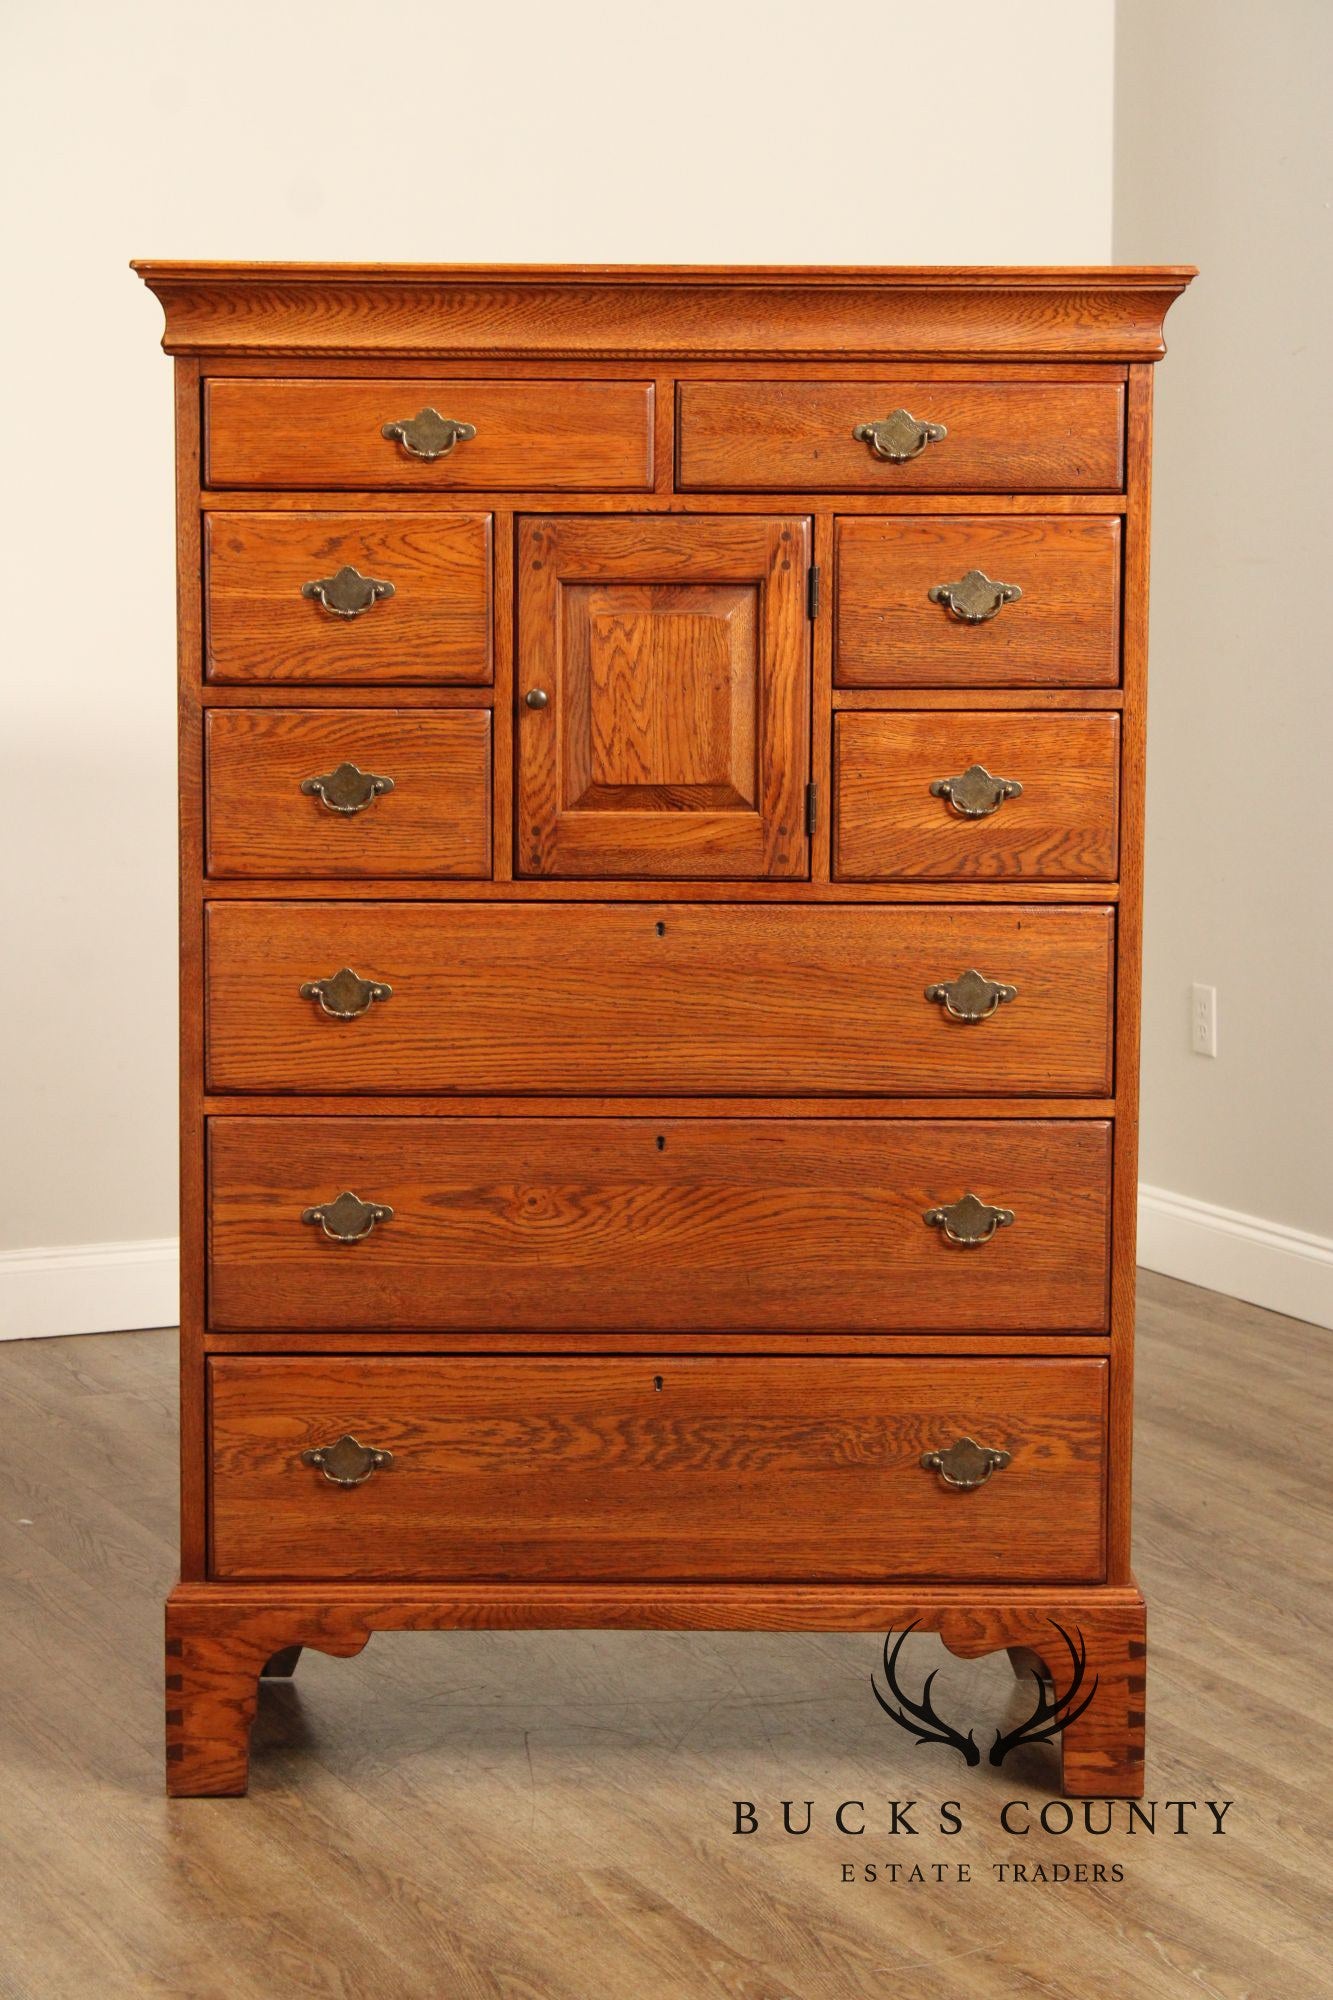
point(342, 792)
point(506, 1468)
point(294, 598)
point(527, 436)
point(1028, 796)
point(1062, 631)
point(607, 1225)
point(1005, 437)
point(589, 999)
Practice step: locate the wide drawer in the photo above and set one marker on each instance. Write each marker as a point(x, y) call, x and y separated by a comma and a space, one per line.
point(661, 1467)
point(527, 436)
point(607, 1225)
point(961, 796)
point(362, 598)
point(1003, 437)
point(341, 792)
point(690, 999)
point(915, 606)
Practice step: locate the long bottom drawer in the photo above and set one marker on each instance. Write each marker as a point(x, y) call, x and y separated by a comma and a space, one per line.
point(723, 1468)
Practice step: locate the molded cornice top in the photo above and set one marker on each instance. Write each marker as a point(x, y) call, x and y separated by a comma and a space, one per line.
point(671, 311)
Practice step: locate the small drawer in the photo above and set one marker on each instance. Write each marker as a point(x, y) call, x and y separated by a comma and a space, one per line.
point(343, 792)
point(430, 435)
point(382, 1225)
point(978, 601)
point(506, 1468)
point(943, 437)
point(960, 796)
point(367, 599)
point(671, 999)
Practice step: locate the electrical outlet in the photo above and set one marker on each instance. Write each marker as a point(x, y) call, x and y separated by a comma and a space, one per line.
point(1203, 1020)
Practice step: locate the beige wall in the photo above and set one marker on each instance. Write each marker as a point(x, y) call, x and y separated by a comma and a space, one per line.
point(699, 130)
point(1222, 158)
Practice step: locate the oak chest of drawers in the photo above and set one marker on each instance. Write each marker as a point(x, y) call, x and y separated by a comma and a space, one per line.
point(662, 764)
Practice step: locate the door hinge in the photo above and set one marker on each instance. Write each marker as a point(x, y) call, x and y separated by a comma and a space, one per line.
point(812, 591)
point(811, 806)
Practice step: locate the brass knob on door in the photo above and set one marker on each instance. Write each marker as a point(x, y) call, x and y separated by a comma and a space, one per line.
point(348, 1462)
point(428, 435)
point(899, 436)
point(971, 997)
point(348, 1219)
point(969, 1222)
point(346, 994)
point(347, 593)
point(975, 598)
point(536, 698)
point(965, 1464)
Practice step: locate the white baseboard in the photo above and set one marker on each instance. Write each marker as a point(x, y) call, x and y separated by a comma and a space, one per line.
point(111, 1287)
point(1287, 1270)
point(89, 1288)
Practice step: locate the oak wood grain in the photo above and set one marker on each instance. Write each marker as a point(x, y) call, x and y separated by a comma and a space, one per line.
point(1133, 775)
point(436, 627)
point(758, 1468)
point(1063, 632)
point(1032, 313)
point(764, 1229)
point(674, 656)
point(218, 1638)
point(759, 893)
point(409, 1104)
point(562, 435)
point(882, 1346)
point(1064, 825)
point(436, 821)
point(737, 1224)
point(589, 368)
point(387, 1791)
point(190, 773)
point(666, 998)
point(664, 499)
point(1013, 437)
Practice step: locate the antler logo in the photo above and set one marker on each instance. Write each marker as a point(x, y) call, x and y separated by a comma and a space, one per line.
point(1050, 1715)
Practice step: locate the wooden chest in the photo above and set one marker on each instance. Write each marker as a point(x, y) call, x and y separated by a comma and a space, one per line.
point(662, 803)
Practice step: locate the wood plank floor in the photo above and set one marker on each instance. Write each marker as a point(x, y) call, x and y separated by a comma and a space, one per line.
point(548, 1816)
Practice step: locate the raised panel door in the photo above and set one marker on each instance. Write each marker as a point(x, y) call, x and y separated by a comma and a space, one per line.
point(663, 697)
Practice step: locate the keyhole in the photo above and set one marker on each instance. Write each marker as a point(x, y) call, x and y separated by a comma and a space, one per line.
point(661, 1143)
point(657, 1381)
point(660, 929)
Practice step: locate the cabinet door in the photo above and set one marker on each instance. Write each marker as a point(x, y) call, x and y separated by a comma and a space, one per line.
point(663, 694)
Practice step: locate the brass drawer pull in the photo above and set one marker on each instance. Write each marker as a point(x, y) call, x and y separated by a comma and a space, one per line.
point(965, 1463)
point(975, 795)
point(537, 698)
point(347, 593)
point(346, 790)
point(969, 1222)
point(975, 597)
point(971, 997)
point(348, 1219)
point(346, 995)
point(428, 435)
point(347, 1463)
point(899, 436)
